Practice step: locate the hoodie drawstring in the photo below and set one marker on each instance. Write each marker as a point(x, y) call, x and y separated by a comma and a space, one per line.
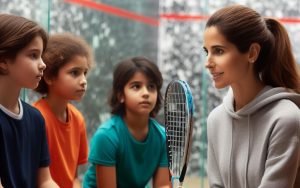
point(248, 152)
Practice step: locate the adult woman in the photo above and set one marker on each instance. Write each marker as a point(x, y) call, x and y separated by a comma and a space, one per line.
point(253, 136)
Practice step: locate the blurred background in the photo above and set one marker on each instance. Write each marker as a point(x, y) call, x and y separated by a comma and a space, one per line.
point(169, 32)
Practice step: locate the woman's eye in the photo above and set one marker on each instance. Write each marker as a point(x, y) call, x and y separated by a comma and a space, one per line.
point(219, 51)
point(205, 52)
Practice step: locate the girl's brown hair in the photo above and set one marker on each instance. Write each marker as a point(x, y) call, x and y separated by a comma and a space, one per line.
point(16, 33)
point(124, 72)
point(60, 50)
point(242, 26)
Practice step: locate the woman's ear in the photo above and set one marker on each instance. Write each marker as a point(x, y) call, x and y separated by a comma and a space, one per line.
point(254, 51)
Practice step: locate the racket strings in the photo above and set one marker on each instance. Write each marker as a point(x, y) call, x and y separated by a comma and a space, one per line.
point(176, 128)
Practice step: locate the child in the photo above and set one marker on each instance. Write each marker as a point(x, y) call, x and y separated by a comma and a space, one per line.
point(254, 136)
point(24, 157)
point(130, 148)
point(68, 59)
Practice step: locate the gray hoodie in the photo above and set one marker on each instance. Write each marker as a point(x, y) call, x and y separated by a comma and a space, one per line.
point(257, 146)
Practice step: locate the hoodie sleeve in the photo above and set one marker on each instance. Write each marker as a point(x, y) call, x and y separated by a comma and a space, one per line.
point(214, 176)
point(283, 157)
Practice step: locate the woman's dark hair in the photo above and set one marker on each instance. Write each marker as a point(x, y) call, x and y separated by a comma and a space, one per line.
point(242, 26)
point(124, 71)
point(61, 49)
point(16, 33)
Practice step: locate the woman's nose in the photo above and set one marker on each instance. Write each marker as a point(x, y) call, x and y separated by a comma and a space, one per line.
point(209, 63)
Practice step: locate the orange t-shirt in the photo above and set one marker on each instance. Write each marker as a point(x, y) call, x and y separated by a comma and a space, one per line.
point(67, 143)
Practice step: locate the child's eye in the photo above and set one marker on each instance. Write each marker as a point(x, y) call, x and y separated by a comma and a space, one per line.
point(74, 73)
point(152, 87)
point(135, 86)
point(33, 56)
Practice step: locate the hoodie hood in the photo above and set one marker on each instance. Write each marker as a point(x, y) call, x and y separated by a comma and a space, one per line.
point(266, 96)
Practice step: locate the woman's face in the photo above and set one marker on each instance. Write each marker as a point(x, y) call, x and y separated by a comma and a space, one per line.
point(225, 63)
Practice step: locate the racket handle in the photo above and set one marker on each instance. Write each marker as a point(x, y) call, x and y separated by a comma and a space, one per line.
point(180, 185)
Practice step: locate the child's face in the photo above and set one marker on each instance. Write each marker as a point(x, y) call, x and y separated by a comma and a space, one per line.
point(26, 69)
point(225, 63)
point(71, 81)
point(140, 95)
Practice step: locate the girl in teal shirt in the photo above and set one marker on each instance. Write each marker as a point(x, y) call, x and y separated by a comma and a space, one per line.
point(130, 148)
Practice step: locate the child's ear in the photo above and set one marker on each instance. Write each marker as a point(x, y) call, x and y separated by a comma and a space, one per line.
point(3, 65)
point(121, 98)
point(48, 80)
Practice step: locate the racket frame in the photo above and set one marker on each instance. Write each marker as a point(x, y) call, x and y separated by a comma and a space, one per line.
point(190, 108)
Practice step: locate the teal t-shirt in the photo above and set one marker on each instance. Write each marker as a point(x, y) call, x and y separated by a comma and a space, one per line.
point(135, 161)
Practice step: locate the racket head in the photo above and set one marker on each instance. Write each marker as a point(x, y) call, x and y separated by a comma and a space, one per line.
point(178, 111)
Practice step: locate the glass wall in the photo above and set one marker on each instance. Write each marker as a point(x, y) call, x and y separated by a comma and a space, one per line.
point(116, 30)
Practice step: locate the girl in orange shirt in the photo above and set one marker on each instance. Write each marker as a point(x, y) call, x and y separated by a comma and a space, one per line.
point(68, 59)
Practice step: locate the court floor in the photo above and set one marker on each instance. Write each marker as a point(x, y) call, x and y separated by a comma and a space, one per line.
point(195, 182)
